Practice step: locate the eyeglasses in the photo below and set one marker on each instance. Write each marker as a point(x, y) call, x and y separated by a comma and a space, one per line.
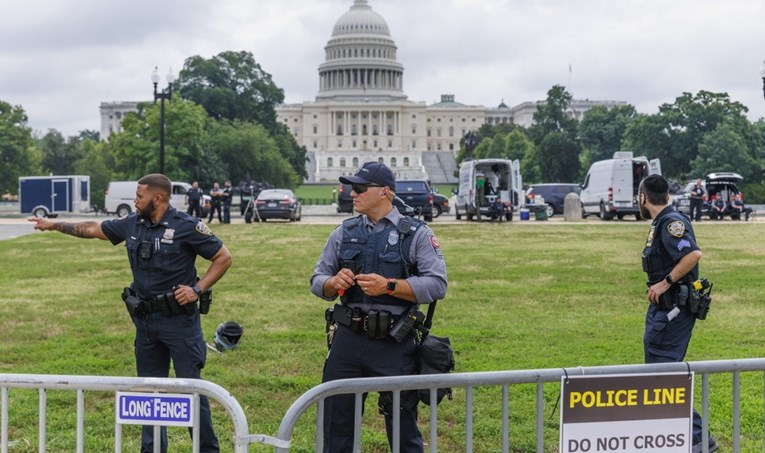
point(361, 188)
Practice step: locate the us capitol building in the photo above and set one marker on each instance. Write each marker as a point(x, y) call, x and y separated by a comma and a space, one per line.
point(361, 112)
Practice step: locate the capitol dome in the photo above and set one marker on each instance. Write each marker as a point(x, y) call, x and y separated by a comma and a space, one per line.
point(360, 59)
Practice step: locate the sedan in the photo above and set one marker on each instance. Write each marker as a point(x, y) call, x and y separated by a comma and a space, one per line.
point(278, 204)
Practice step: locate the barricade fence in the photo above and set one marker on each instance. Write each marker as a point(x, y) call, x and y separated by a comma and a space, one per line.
point(316, 396)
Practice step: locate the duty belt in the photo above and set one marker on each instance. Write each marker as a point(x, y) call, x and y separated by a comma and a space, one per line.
point(376, 323)
point(164, 303)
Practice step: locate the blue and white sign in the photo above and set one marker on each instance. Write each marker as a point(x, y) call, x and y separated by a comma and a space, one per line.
point(164, 409)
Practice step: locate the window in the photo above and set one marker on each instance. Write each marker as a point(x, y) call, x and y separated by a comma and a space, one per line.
point(429, 132)
point(451, 146)
point(392, 162)
point(315, 144)
point(414, 128)
point(364, 129)
point(353, 144)
point(438, 132)
point(355, 162)
point(390, 143)
point(339, 129)
point(315, 129)
point(380, 159)
point(451, 131)
point(374, 130)
point(406, 162)
point(353, 129)
point(329, 162)
point(342, 162)
point(390, 130)
point(414, 144)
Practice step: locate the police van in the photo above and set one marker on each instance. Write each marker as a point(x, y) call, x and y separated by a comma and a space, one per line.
point(502, 180)
point(611, 186)
point(120, 195)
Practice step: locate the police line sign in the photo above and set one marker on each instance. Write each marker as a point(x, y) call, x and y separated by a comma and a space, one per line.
point(165, 409)
point(627, 413)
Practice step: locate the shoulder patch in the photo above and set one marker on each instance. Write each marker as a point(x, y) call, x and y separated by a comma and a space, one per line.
point(204, 229)
point(436, 246)
point(676, 228)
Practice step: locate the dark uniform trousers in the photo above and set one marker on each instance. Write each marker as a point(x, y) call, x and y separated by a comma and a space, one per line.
point(160, 339)
point(667, 341)
point(356, 355)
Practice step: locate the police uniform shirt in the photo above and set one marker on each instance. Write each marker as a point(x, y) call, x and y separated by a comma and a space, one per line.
point(428, 286)
point(669, 240)
point(162, 255)
point(194, 195)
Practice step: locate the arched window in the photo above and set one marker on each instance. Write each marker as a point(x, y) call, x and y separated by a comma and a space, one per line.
point(355, 162)
point(342, 162)
point(329, 162)
point(451, 131)
point(392, 162)
point(381, 160)
point(406, 162)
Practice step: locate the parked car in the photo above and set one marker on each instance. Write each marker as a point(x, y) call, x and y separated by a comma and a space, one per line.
point(344, 200)
point(440, 204)
point(721, 184)
point(417, 194)
point(278, 204)
point(552, 194)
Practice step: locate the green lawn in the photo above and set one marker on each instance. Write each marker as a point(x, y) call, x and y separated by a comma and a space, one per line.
point(521, 296)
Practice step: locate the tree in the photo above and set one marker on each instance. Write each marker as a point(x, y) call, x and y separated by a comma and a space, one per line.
point(59, 154)
point(554, 131)
point(724, 149)
point(233, 86)
point(565, 166)
point(601, 131)
point(136, 148)
point(17, 154)
point(97, 162)
point(674, 134)
point(248, 152)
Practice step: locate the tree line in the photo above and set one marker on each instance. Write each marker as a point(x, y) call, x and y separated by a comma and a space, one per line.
point(221, 124)
point(693, 136)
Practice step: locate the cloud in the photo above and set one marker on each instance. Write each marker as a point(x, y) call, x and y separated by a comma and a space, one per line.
point(61, 59)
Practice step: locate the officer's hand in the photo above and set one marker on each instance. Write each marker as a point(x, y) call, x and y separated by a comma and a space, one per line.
point(655, 291)
point(41, 223)
point(185, 295)
point(344, 279)
point(372, 284)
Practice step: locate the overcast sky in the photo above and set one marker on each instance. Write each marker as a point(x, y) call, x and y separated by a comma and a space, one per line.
point(60, 59)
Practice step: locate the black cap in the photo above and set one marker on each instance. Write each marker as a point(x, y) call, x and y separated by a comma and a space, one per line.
point(372, 173)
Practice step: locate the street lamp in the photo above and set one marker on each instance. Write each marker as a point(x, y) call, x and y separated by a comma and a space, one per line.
point(166, 93)
point(762, 74)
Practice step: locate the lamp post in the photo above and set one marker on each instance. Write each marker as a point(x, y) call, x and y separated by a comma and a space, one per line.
point(762, 74)
point(166, 93)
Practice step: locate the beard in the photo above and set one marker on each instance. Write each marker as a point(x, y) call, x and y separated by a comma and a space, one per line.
point(644, 212)
point(146, 213)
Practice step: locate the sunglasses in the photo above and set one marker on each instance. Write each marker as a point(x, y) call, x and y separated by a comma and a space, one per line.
point(361, 188)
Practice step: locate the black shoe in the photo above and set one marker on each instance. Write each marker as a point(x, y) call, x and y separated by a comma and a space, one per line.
point(712, 446)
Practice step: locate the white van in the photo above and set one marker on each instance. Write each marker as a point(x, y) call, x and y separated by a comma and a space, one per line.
point(611, 186)
point(120, 195)
point(503, 179)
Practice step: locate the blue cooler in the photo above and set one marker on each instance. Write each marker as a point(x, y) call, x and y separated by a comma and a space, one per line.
point(524, 214)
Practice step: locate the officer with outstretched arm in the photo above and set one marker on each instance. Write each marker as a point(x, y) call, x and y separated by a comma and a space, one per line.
point(166, 296)
point(382, 264)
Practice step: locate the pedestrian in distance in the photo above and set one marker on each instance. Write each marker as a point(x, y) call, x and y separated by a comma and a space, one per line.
point(167, 295)
point(194, 200)
point(382, 265)
point(226, 195)
point(697, 199)
point(671, 261)
point(216, 198)
point(737, 207)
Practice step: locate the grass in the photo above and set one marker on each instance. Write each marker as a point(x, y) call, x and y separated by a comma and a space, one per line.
point(521, 296)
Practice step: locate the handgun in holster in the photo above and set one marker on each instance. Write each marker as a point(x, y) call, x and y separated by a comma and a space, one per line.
point(701, 298)
point(133, 303)
point(407, 325)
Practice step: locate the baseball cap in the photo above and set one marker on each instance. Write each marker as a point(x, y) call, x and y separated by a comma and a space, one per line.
point(372, 173)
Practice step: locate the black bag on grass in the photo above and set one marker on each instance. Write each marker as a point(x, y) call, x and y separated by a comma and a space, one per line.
point(436, 356)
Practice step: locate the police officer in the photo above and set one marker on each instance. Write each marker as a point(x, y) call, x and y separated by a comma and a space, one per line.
point(697, 195)
point(194, 200)
point(162, 245)
point(380, 263)
point(226, 200)
point(216, 198)
point(670, 258)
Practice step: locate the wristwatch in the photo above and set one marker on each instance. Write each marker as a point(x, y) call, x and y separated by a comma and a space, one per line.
point(668, 279)
point(390, 288)
point(197, 290)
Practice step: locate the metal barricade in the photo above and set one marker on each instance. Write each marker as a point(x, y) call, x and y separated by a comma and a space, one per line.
point(80, 384)
point(468, 381)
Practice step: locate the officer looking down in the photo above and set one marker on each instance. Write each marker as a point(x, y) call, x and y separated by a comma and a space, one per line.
point(670, 259)
point(166, 296)
point(382, 265)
